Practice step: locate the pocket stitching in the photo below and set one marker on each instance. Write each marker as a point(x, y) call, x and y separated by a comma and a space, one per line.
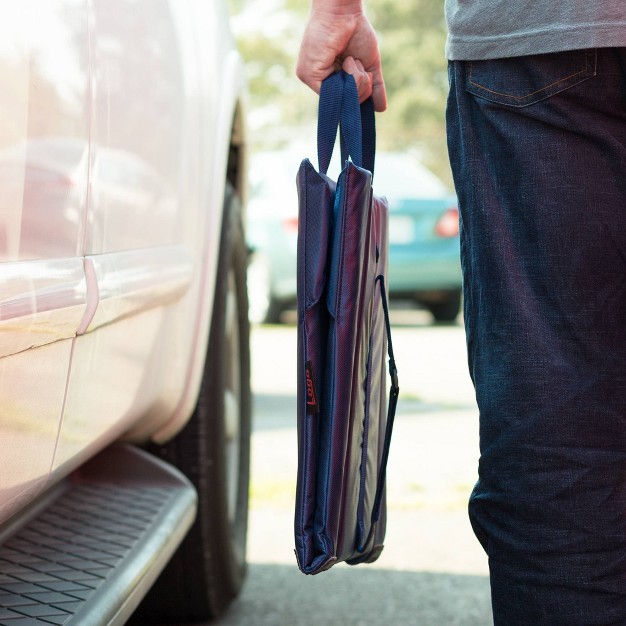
point(585, 70)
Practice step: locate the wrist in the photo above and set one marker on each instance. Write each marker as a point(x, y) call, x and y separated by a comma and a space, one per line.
point(337, 7)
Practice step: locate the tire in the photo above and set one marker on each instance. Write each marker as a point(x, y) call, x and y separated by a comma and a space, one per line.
point(447, 311)
point(213, 451)
point(264, 307)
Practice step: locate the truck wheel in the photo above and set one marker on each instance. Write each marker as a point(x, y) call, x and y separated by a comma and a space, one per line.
point(213, 451)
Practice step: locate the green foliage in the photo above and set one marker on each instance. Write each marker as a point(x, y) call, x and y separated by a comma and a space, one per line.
point(412, 38)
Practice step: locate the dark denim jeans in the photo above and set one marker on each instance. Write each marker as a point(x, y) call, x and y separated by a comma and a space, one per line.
point(538, 151)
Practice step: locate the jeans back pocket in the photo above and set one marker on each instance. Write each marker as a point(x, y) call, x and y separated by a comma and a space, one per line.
point(522, 81)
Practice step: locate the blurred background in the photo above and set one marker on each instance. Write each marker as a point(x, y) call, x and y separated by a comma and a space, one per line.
point(432, 570)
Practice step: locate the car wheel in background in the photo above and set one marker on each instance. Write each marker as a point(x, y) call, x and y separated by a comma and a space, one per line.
point(446, 311)
point(264, 308)
point(213, 451)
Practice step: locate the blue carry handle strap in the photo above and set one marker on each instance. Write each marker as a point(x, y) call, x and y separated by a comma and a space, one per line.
point(331, 98)
point(368, 133)
point(339, 107)
point(350, 122)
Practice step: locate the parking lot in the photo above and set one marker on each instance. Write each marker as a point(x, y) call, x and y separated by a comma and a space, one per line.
point(432, 570)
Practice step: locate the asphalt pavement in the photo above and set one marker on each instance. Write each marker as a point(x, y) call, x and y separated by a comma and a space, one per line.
point(432, 571)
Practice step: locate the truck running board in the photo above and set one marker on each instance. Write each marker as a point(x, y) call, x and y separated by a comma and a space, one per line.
point(89, 554)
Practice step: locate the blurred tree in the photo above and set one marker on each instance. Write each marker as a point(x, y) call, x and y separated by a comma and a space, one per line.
point(412, 37)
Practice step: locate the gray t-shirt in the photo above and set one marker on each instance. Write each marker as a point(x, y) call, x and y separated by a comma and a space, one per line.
point(491, 29)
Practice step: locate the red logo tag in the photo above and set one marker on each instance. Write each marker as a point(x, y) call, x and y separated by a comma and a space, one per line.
point(311, 397)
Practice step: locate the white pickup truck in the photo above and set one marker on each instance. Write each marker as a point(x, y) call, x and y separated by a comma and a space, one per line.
point(124, 353)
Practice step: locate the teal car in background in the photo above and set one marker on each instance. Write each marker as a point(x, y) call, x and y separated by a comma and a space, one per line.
point(272, 235)
point(424, 264)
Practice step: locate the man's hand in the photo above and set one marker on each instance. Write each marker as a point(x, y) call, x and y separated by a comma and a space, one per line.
point(339, 36)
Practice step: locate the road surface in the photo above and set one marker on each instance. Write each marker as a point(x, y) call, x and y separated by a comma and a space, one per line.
point(432, 571)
